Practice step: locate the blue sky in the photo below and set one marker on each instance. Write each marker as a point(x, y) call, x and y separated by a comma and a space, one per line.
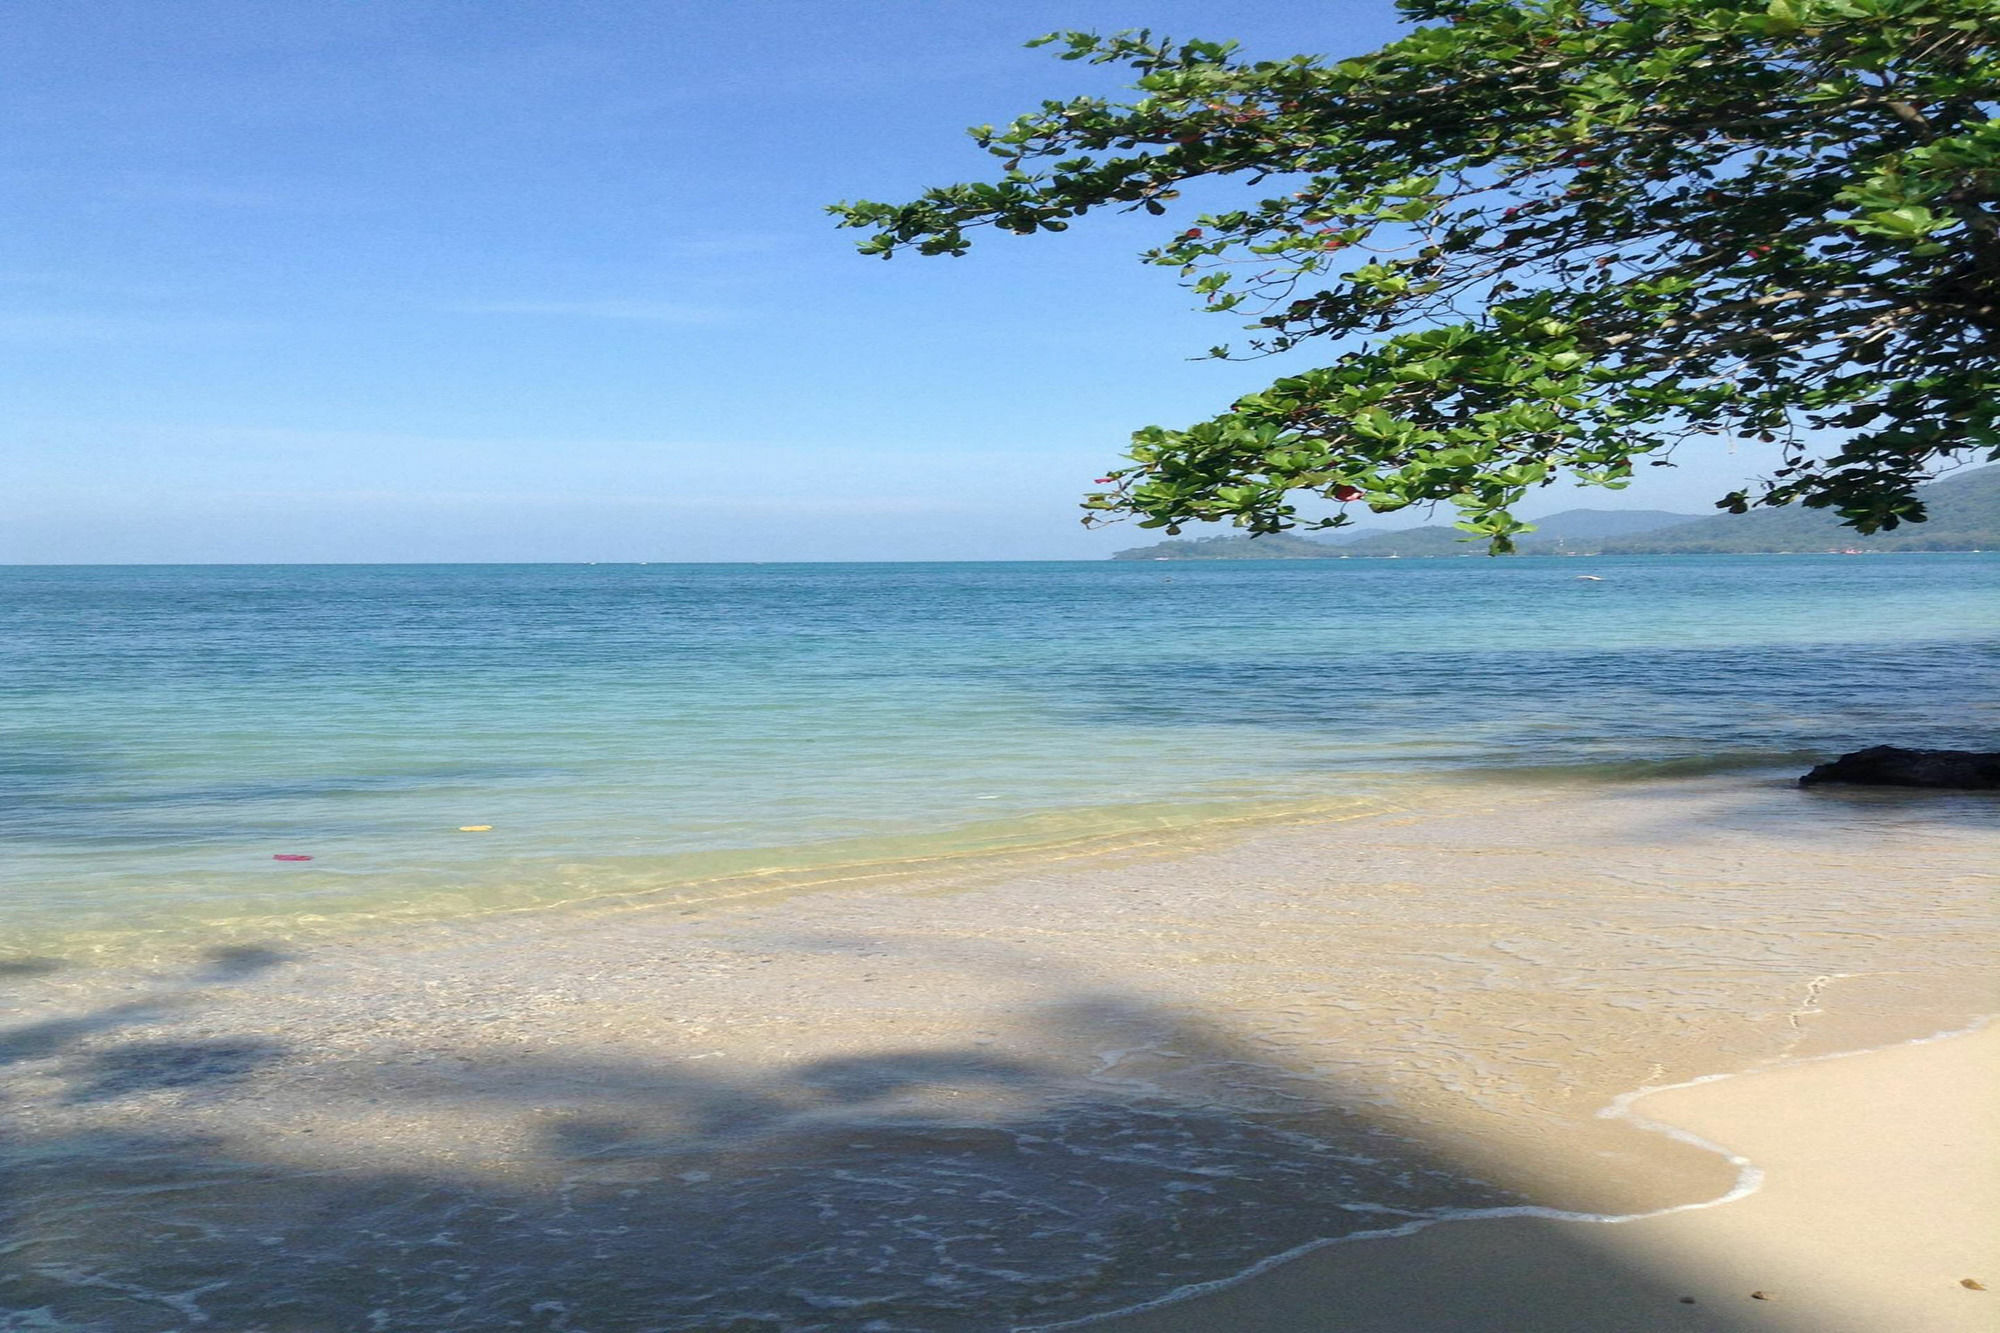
point(467, 281)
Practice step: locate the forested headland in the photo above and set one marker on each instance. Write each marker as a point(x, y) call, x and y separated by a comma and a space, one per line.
point(1964, 516)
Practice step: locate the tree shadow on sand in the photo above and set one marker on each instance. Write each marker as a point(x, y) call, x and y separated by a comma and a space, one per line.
point(956, 1187)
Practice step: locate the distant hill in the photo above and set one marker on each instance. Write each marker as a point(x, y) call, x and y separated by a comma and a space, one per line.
point(1571, 526)
point(1233, 546)
point(1592, 524)
point(1964, 516)
point(1579, 530)
point(1431, 540)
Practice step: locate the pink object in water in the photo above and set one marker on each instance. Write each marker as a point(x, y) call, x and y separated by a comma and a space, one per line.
point(290, 856)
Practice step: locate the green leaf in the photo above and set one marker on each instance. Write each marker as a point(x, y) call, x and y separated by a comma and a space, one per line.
point(1549, 242)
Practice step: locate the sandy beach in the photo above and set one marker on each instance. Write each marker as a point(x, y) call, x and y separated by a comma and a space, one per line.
point(1024, 1093)
point(1879, 1197)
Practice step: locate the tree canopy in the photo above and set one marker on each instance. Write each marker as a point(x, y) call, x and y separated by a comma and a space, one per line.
point(1550, 239)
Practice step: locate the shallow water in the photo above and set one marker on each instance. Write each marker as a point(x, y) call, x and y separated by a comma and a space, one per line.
point(165, 732)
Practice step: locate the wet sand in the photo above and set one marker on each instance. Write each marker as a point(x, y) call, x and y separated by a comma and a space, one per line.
point(1879, 1195)
point(1009, 1098)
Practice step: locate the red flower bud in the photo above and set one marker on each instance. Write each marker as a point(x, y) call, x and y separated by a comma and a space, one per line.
point(1346, 493)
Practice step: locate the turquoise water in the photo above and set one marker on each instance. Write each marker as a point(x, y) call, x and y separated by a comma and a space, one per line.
point(166, 732)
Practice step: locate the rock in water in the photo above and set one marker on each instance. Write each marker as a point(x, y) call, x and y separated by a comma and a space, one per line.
point(1892, 766)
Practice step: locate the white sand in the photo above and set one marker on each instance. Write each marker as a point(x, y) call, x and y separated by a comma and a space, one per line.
point(1881, 1191)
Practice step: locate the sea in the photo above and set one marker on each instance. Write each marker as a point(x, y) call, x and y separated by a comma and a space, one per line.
point(295, 748)
point(928, 948)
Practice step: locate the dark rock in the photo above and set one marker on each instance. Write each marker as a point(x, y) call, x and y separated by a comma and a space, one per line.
point(1892, 766)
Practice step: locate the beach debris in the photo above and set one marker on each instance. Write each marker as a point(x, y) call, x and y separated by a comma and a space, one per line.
point(1760, 1295)
point(475, 828)
point(289, 856)
point(1893, 766)
point(1972, 1284)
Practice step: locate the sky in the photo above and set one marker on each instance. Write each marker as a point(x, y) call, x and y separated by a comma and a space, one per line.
point(299, 280)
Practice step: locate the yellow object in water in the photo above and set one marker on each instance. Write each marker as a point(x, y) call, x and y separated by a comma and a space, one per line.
point(475, 828)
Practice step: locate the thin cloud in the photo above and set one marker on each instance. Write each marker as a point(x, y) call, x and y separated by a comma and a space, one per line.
point(274, 197)
point(649, 312)
point(26, 501)
point(721, 247)
point(68, 328)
